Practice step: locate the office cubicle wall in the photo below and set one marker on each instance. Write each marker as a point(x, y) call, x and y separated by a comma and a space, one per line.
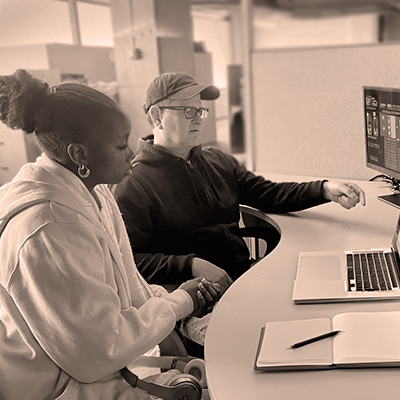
point(308, 107)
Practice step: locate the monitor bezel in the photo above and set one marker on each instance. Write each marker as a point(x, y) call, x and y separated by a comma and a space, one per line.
point(383, 170)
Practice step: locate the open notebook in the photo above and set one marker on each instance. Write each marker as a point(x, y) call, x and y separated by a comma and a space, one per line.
point(366, 339)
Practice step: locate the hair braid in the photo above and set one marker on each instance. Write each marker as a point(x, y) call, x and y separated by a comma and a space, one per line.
point(21, 96)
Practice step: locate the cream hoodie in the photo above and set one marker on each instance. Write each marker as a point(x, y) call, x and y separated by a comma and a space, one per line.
point(74, 309)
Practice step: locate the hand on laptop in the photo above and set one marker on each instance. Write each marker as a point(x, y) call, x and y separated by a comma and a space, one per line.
point(346, 194)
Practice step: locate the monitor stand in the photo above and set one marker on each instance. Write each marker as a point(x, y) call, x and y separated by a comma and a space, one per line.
point(391, 199)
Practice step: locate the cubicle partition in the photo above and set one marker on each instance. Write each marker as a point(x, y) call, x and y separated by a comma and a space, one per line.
point(308, 107)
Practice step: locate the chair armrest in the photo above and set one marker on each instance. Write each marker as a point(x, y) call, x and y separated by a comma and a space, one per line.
point(253, 216)
point(259, 226)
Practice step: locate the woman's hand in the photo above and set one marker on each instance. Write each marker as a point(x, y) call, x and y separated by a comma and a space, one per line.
point(203, 293)
point(204, 269)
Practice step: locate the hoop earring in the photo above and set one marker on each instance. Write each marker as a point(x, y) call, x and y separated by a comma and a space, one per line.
point(83, 171)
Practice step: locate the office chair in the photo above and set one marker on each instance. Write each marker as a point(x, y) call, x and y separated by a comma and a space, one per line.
point(260, 232)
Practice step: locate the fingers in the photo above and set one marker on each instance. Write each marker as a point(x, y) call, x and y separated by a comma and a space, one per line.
point(213, 288)
point(346, 194)
point(221, 282)
point(207, 295)
point(343, 200)
point(215, 291)
point(351, 195)
point(347, 190)
point(212, 273)
point(360, 193)
point(201, 300)
point(348, 202)
point(208, 291)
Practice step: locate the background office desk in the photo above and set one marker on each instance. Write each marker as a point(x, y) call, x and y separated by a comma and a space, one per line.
point(264, 294)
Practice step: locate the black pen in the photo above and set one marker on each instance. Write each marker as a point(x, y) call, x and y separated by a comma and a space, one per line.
point(314, 339)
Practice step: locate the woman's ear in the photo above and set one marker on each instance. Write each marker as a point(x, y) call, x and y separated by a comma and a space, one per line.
point(78, 153)
point(155, 115)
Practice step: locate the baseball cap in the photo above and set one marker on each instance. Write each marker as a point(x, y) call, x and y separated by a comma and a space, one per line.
point(177, 86)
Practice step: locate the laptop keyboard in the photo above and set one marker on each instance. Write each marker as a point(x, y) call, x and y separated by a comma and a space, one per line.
point(371, 272)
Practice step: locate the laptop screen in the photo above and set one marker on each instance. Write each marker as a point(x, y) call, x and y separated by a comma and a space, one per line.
point(396, 242)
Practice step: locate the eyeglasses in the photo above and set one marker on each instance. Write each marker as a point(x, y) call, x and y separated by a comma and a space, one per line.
point(190, 112)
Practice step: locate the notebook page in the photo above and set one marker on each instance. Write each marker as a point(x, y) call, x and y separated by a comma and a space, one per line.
point(367, 337)
point(280, 335)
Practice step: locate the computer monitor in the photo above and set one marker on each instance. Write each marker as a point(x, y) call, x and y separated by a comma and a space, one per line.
point(382, 135)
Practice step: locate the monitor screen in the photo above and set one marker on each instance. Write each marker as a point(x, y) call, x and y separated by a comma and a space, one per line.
point(382, 130)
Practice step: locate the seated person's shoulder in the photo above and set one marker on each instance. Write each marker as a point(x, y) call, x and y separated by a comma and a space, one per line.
point(213, 153)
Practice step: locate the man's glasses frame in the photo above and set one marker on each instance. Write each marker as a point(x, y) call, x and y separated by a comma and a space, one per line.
point(190, 112)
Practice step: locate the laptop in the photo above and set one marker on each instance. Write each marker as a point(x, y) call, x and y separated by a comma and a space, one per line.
point(338, 276)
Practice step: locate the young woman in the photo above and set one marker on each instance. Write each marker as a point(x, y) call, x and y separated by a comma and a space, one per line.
point(74, 309)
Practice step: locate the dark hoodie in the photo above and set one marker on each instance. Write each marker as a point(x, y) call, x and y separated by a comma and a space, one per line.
point(176, 209)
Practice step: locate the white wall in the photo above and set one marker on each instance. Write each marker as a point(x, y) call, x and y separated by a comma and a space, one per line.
point(309, 108)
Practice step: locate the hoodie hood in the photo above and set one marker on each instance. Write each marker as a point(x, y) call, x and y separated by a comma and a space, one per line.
point(40, 182)
point(148, 153)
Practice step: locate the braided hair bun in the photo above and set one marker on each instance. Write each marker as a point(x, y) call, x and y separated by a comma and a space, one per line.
point(69, 112)
point(23, 101)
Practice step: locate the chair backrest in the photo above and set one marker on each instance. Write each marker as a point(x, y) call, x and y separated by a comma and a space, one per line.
point(261, 233)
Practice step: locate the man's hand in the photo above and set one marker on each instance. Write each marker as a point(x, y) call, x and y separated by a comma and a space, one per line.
point(203, 293)
point(204, 269)
point(346, 194)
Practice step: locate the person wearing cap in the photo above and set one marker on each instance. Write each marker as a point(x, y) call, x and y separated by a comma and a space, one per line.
point(181, 201)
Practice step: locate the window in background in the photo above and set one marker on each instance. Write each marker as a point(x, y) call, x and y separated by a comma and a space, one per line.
point(95, 25)
point(31, 22)
point(47, 21)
